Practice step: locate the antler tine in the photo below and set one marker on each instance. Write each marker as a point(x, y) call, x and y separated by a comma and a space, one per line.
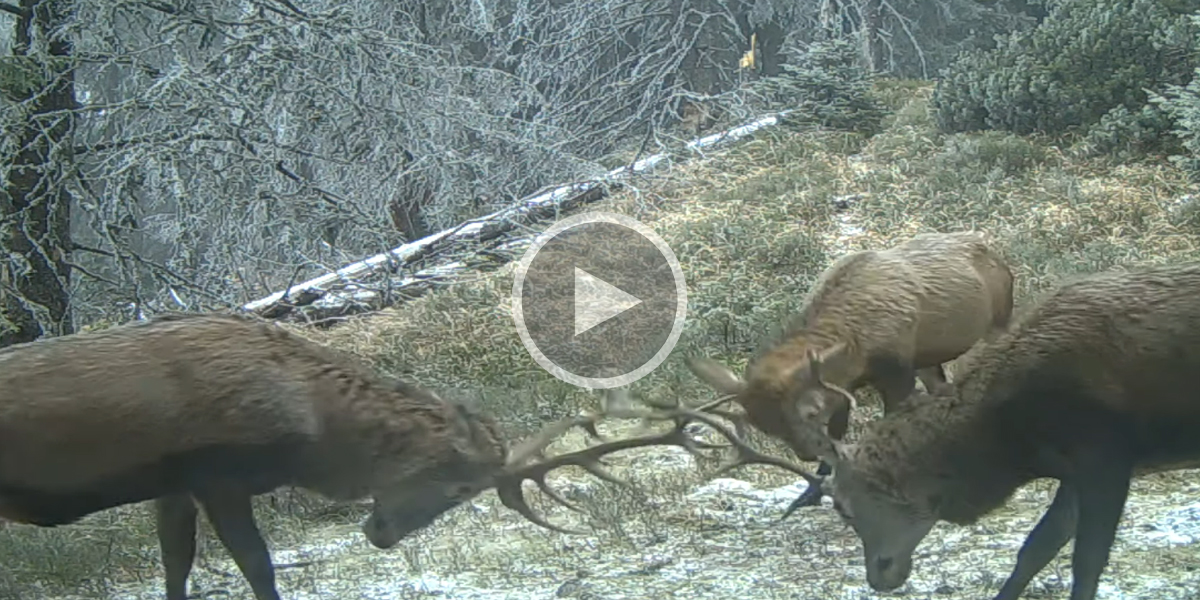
point(508, 486)
point(746, 454)
point(537, 444)
point(800, 500)
point(515, 472)
point(737, 418)
point(704, 413)
point(513, 497)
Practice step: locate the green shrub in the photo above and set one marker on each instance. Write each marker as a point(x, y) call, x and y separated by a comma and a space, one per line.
point(895, 94)
point(826, 86)
point(1085, 60)
point(1125, 133)
point(909, 134)
point(1003, 154)
point(1185, 213)
point(1182, 103)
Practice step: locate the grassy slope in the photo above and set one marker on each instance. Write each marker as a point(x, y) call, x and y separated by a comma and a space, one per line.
point(753, 227)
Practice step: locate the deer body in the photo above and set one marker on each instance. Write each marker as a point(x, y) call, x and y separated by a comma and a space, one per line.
point(215, 409)
point(874, 317)
point(1094, 387)
point(219, 409)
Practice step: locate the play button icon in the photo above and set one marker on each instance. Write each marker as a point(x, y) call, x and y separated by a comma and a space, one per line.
point(599, 300)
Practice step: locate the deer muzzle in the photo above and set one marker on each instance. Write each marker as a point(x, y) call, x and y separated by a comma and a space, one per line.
point(885, 573)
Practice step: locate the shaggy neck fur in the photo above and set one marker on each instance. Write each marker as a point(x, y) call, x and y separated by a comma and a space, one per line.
point(777, 367)
point(375, 426)
point(944, 453)
point(772, 382)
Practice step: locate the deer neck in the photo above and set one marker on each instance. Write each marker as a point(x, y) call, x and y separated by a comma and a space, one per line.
point(976, 476)
point(337, 465)
point(946, 453)
point(340, 463)
point(842, 368)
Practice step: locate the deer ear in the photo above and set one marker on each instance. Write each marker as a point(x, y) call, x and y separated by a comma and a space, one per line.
point(814, 365)
point(716, 375)
point(818, 359)
point(471, 433)
point(833, 351)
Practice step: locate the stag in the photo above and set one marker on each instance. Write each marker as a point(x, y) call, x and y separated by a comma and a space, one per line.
point(882, 318)
point(1093, 387)
point(215, 409)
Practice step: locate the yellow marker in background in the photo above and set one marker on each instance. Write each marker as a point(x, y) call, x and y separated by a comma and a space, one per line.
point(747, 61)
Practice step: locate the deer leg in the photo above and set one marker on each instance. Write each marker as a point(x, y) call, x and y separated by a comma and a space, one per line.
point(839, 423)
point(933, 377)
point(811, 496)
point(894, 378)
point(1103, 490)
point(1052, 532)
point(232, 517)
point(176, 516)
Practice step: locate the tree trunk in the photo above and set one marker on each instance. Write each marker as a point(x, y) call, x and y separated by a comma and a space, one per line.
point(770, 45)
point(34, 203)
point(835, 19)
point(872, 21)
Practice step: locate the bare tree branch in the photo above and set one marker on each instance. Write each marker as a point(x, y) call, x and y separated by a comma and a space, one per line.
point(471, 237)
point(221, 150)
point(12, 10)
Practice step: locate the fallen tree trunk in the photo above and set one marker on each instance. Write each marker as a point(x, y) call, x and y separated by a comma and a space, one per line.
point(477, 245)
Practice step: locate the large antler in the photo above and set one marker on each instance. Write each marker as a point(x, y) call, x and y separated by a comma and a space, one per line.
point(516, 471)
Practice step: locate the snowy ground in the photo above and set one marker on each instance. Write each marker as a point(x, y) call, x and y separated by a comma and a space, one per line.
point(720, 539)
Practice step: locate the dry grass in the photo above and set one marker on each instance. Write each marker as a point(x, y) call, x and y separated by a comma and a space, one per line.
point(753, 227)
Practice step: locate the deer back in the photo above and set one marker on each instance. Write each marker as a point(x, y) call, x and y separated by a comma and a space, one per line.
point(965, 292)
point(82, 407)
point(869, 301)
point(1131, 340)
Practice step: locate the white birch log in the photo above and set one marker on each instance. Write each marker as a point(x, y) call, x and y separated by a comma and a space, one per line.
point(339, 291)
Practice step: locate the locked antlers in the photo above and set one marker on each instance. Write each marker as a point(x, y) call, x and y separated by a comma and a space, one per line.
point(518, 467)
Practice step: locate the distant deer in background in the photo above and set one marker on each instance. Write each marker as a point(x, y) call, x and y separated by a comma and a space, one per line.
point(1095, 386)
point(878, 317)
point(215, 409)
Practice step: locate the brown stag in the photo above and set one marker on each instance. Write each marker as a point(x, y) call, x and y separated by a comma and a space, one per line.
point(874, 317)
point(215, 409)
point(1095, 386)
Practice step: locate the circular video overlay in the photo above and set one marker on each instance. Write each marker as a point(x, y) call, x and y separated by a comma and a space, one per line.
point(599, 300)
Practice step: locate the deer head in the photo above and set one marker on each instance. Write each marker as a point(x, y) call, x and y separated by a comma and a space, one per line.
point(408, 494)
point(818, 409)
point(814, 410)
point(890, 520)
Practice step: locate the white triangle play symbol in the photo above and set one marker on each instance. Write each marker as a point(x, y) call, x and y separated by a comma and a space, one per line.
point(597, 301)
